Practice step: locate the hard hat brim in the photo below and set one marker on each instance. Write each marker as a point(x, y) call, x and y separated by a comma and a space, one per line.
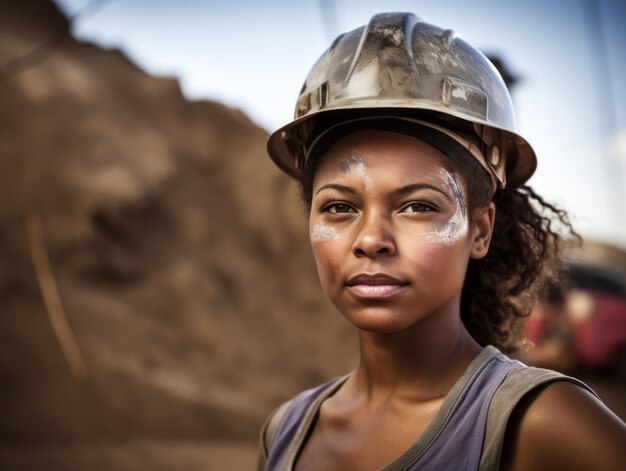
point(286, 146)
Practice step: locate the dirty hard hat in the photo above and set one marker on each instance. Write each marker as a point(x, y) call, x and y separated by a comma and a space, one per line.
point(399, 67)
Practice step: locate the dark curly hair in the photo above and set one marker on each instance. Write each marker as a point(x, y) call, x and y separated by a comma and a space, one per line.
point(526, 253)
point(529, 238)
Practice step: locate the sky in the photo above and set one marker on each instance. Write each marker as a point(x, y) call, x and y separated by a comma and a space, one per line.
point(570, 102)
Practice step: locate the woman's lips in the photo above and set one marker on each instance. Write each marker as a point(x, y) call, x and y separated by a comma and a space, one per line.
point(375, 286)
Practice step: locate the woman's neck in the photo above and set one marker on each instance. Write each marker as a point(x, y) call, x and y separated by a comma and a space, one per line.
point(420, 363)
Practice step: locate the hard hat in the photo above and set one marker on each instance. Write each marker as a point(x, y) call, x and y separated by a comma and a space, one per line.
point(400, 66)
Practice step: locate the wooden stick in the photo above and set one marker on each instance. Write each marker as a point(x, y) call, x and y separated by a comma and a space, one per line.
point(52, 298)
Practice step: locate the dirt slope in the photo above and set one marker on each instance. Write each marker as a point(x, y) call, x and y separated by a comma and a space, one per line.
point(179, 253)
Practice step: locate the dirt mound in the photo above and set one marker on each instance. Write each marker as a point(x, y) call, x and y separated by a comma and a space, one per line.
point(178, 252)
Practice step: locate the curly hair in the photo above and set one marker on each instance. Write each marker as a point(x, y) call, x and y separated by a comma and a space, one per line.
point(526, 252)
point(529, 238)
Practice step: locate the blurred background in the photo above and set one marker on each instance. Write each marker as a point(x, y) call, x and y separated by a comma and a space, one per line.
point(157, 294)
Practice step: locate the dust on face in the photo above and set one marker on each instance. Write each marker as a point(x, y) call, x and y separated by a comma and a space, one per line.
point(452, 230)
point(446, 233)
point(353, 164)
point(322, 232)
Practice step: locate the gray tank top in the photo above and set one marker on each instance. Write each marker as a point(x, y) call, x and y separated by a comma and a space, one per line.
point(467, 433)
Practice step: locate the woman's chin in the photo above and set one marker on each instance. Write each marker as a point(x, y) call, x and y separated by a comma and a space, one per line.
point(380, 320)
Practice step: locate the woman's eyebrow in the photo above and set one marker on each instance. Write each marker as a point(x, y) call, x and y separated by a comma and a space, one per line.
point(419, 186)
point(338, 187)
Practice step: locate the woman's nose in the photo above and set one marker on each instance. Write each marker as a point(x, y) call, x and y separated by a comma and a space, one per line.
point(375, 238)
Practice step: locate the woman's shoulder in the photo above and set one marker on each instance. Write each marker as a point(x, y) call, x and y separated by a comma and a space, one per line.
point(563, 425)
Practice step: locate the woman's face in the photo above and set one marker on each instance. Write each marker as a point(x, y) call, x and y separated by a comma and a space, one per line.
point(389, 229)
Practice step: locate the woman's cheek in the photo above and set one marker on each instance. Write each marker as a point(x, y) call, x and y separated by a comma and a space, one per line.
point(430, 251)
point(329, 247)
point(326, 253)
point(423, 249)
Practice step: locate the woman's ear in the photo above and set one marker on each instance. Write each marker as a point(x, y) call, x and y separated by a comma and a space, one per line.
point(482, 228)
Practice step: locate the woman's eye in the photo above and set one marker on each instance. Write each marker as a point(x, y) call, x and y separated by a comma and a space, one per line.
point(337, 208)
point(418, 207)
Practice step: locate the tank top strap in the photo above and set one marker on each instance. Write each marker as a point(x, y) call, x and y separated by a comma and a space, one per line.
point(296, 421)
point(515, 386)
point(455, 437)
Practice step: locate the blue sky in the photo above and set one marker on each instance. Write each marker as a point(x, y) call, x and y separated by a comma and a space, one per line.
point(255, 56)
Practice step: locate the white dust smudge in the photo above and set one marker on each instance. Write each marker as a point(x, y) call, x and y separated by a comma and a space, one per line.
point(459, 93)
point(363, 78)
point(321, 232)
point(353, 164)
point(457, 226)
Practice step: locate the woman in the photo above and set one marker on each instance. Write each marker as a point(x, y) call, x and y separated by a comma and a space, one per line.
point(428, 242)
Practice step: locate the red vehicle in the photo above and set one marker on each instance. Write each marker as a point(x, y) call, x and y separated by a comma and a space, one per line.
point(581, 323)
